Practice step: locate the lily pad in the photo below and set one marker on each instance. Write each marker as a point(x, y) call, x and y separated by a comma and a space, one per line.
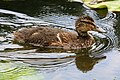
point(18, 71)
point(112, 5)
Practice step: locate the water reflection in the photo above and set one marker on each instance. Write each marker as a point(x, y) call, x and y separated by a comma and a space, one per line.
point(117, 28)
point(85, 62)
point(48, 60)
point(42, 7)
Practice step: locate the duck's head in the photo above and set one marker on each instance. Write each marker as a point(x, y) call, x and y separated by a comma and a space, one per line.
point(85, 24)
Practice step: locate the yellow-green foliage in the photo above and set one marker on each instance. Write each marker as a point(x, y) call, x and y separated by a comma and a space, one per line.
point(112, 5)
point(18, 71)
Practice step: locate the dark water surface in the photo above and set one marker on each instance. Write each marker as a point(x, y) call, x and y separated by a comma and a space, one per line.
point(17, 62)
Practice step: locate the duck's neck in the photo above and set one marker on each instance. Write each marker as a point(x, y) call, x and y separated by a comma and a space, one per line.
point(85, 36)
point(86, 40)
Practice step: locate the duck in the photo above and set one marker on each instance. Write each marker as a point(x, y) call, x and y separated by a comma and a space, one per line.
point(50, 37)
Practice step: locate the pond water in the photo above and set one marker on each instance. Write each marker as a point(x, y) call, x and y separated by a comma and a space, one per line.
point(18, 62)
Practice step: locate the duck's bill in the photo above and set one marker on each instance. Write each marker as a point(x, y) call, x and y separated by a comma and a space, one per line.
point(100, 30)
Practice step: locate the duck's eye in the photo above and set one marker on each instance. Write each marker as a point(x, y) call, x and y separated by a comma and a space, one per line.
point(79, 25)
point(84, 31)
point(97, 27)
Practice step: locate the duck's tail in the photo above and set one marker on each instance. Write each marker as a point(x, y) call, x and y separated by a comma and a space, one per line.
point(19, 37)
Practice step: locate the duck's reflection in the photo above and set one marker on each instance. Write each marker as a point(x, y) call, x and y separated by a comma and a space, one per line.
point(83, 59)
point(50, 59)
point(85, 62)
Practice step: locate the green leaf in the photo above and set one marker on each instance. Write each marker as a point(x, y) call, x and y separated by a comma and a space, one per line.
point(18, 71)
point(112, 5)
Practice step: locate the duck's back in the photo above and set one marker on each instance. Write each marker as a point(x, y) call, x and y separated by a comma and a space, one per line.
point(44, 36)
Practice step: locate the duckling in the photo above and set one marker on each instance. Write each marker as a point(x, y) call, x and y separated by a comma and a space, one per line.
point(46, 36)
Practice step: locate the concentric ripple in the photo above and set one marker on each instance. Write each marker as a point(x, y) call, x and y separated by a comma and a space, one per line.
point(104, 41)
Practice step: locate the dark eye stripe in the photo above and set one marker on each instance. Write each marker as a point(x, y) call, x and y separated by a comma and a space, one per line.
point(86, 21)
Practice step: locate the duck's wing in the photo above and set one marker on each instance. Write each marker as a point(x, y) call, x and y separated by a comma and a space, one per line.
point(66, 37)
point(63, 38)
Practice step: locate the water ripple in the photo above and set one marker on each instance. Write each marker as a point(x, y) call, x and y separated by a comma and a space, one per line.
point(19, 19)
